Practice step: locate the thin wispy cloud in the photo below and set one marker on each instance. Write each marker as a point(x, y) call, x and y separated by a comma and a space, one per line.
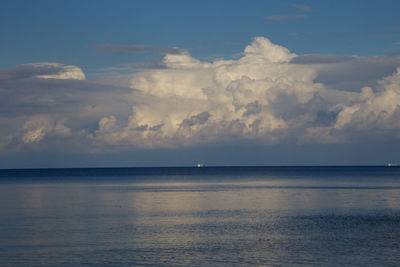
point(136, 48)
point(304, 8)
point(282, 17)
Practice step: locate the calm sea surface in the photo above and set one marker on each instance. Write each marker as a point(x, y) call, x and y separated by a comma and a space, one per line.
point(227, 216)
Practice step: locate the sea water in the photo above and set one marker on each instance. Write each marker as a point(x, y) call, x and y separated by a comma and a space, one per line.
point(209, 216)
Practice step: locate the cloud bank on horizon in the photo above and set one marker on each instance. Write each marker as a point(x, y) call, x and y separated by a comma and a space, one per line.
point(268, 95)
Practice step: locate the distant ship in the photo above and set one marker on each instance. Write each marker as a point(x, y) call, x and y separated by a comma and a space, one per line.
point(199, 165)
point(391, 164)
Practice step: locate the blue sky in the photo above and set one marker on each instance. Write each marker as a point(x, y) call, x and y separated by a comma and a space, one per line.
point(176, 82)
point(65, 30)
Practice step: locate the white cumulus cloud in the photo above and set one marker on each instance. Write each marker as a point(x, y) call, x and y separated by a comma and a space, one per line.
point(37, 127)
point(262, 96)
point(269, 95)
point(63, 71)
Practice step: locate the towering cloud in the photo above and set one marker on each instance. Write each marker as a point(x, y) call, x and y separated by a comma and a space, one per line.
point(264, 95)
point(269, 95)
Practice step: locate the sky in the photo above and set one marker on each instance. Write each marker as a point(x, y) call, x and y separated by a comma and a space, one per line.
point(176, 83)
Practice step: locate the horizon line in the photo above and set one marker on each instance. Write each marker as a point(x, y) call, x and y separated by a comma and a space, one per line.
point(205, 166)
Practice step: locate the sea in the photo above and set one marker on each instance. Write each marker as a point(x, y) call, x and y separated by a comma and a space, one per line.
point(207, 216)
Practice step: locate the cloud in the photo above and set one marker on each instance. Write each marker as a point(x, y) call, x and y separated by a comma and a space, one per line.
point(64, 72)
point(200, 118)
point(252, 108)
point(378, 111)
point(349, 73)
point(304, 8)
point(37, 127)
point(136, 48)
point(269, 95)
point(44, 101)
point(43, 70)
point(283, 17)
point(320, 59)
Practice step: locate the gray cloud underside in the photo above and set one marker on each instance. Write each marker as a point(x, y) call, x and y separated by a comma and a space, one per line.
point(269, 95)
point(349, 73)
point(30, 102)
point(28, 71)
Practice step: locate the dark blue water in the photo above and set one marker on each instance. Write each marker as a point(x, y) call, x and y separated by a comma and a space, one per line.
point(228, 216)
